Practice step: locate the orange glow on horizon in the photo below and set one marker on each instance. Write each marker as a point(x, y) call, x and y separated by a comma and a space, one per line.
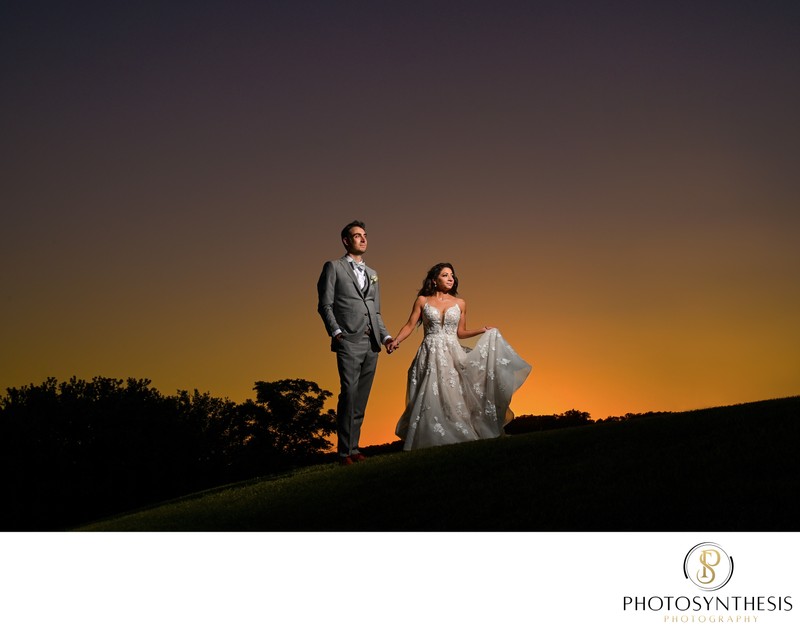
point(618, 195)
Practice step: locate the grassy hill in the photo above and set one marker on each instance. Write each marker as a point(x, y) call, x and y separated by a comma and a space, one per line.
point(723, 469)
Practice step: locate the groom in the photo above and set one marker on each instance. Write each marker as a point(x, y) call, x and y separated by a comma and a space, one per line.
point(350, 307)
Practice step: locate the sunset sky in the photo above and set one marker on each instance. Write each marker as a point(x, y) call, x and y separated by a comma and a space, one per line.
point(616, 184)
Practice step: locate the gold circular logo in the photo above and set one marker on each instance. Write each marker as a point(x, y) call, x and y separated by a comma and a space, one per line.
point(708, 566)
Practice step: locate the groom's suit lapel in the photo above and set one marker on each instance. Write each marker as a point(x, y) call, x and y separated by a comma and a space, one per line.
point(354, 277)
point(367, 283)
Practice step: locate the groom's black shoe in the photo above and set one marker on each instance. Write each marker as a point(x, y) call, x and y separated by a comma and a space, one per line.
point(357, 457)
point(345, 461)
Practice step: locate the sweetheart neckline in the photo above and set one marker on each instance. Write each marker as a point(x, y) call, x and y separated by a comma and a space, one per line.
point(445, 310)
point(443, 313)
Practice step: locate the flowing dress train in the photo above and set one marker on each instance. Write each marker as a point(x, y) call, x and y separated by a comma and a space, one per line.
point(456, 394)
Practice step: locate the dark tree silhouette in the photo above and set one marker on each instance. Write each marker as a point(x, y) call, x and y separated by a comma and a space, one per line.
point(528, 423)
point(78, 450)
point(80, 446)
point(295, 416)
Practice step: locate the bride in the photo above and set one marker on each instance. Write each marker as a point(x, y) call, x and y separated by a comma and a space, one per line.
point(454, 394)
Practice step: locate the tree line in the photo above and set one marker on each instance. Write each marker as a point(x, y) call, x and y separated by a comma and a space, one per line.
point(75, 451)
point(571, 418)
point(78, 450)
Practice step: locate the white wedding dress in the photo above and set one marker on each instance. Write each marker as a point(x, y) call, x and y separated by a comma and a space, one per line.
point(455, 394)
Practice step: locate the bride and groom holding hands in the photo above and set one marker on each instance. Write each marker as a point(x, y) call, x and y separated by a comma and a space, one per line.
point(453, 394)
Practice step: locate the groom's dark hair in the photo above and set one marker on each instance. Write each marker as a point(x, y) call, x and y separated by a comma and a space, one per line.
point(350, 226)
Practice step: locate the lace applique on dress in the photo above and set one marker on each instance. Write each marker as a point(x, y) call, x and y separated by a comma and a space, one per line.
point(454, 394)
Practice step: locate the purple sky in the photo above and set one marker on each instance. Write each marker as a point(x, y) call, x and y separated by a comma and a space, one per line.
point(616, 183)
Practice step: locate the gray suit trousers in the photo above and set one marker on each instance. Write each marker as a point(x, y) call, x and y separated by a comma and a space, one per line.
point(357, 360)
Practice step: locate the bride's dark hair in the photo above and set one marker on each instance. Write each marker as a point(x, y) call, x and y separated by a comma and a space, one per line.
point(429, 284)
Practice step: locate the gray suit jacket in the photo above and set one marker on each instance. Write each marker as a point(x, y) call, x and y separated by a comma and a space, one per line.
point(343, 306)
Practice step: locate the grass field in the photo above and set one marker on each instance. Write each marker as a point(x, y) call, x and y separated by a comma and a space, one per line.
point(723, 469)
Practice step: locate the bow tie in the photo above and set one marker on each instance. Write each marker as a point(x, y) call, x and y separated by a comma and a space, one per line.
point(358, 265)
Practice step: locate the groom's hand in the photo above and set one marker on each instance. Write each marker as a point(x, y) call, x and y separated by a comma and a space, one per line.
point(389, 345)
